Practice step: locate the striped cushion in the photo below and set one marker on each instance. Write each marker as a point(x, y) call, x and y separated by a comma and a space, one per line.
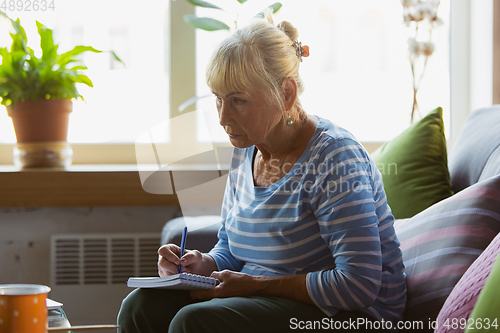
point(459, 304)
point(440, 244)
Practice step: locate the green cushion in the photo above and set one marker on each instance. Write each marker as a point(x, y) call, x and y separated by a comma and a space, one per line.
point(414, 166)
point(485, 315)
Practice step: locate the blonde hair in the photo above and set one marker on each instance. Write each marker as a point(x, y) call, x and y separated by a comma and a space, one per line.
point(259, 55)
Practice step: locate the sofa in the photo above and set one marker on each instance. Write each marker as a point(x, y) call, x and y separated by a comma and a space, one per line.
point(447, 210)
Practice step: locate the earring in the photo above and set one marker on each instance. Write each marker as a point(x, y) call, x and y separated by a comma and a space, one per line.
point(289, 120)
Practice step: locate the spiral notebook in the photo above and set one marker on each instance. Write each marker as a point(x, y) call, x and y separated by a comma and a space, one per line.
point(182, 281)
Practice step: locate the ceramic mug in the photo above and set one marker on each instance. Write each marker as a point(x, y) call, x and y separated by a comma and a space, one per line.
point(23, 308)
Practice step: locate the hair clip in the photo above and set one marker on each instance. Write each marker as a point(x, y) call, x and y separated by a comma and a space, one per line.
point(304, 51)
point(297, 46)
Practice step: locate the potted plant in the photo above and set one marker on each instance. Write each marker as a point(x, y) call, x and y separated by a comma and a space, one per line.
point(38, 94)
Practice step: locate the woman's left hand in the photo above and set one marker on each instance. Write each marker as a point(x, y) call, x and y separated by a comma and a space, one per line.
point(231, 284)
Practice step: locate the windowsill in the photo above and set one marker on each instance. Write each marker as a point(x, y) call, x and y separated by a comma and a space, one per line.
point(82, 185)
point(92, 185)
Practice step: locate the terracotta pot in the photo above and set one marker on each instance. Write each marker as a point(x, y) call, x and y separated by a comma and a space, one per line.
point(42, 131)
point(42, 120)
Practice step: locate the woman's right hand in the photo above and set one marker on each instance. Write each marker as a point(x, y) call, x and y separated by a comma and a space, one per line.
point(168, 261)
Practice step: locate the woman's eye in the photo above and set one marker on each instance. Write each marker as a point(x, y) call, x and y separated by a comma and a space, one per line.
point(239, 101)
point(218, 100)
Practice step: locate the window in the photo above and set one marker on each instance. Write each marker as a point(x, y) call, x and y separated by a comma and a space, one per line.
point(126, 100)
point(358, 74)
point(358, 69)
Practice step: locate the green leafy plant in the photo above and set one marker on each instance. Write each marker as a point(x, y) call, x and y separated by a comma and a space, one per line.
point(23, 76)
point(211, 24)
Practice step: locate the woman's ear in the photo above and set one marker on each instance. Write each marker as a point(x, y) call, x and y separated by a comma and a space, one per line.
point(290, 92)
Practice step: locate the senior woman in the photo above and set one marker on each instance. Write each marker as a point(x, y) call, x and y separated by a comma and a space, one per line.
point(307, 240)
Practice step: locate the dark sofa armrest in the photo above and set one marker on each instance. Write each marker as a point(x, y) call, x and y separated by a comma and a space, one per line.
point(476, 153)
point(200, 239)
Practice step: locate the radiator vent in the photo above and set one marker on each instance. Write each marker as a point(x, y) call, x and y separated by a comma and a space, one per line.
point(102, 259)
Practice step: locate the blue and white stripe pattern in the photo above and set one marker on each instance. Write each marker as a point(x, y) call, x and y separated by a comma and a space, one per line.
point(327, 217)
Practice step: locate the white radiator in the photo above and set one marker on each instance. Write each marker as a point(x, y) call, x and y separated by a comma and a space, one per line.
point(89, 272)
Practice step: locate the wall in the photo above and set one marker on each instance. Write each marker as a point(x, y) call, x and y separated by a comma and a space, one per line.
point(25, 235)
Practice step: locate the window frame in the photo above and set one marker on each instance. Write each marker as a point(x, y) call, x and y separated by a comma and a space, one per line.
point(471, 62)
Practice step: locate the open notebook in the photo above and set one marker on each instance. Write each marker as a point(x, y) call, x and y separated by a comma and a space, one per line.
point(183, 281)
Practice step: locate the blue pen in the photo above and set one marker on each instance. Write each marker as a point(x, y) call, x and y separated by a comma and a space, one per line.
point(183, 246)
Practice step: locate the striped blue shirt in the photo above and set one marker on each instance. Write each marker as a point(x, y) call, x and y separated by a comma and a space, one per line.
point(327, 217)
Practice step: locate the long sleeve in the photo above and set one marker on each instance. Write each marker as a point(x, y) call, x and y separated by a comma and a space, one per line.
point(221, 252)
point(343, 201)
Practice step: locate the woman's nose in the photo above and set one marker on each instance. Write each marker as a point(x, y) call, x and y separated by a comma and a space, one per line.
point(224, 115)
